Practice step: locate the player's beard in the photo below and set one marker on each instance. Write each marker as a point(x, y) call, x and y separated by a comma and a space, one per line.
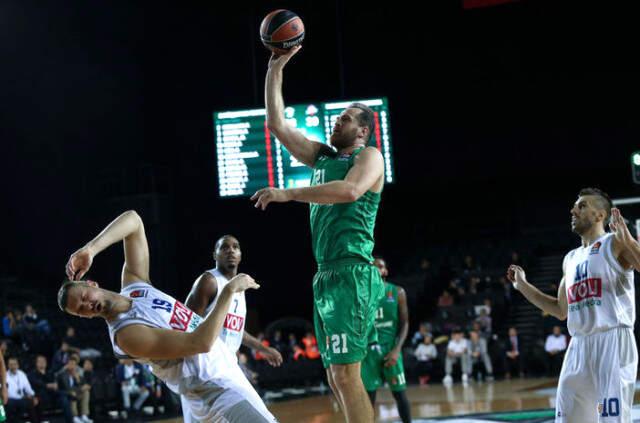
point(581, 226)
point(341, 140)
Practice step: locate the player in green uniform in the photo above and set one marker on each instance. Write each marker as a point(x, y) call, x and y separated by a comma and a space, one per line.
point(344, 196)
point(384, 360)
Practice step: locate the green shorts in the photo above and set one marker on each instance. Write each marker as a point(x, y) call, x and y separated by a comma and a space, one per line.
point(346, 297)
point(374, 373)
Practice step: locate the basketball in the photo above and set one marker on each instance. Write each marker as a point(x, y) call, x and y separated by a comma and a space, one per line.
point(281, 30)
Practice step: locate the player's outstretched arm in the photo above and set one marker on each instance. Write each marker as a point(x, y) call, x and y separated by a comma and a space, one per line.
point(556, 306)
point(127, 227)
point(271, 355)
point(368, 168)
point(303, 149)
point(625, 247)
point(163, 344)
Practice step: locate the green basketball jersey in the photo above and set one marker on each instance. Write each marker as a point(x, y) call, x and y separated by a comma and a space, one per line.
point(387, 316)
point(342, 231)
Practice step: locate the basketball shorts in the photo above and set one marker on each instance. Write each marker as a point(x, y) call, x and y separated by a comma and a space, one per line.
point(375, 374)
point(598, 376)
point(346, 297)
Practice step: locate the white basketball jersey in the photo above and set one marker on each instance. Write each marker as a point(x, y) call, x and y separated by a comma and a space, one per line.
point(600, 293)
point(233, 328)
point(152, 307)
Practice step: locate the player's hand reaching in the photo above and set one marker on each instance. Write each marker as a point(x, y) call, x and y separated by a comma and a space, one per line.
point(391, 359)
point(79, 264)
point(273, 356)
point(277, 61)
point(516, 275)
point(619, 228)
point(270, 195)
point(241, 283)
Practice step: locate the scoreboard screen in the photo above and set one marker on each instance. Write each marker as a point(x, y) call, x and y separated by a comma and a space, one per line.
point(249, 157)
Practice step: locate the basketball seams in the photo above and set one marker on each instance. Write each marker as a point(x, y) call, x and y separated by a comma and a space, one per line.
point(279, 24)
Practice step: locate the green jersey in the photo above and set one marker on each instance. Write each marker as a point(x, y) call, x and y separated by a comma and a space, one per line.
point(345, 230)
point(387, 316)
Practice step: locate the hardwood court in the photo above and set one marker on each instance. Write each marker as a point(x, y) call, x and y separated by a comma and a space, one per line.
point(429, 401)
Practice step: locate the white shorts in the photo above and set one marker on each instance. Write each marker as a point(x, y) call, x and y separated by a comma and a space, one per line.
point(598, 376)
point(214, 389)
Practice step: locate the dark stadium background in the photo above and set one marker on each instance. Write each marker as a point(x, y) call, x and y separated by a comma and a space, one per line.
point(499, 116)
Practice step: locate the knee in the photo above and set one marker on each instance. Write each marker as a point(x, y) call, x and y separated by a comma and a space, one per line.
point(343, 377)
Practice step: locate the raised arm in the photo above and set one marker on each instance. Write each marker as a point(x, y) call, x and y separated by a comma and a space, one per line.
point(556, 306)
point(141, 341)
point(625, 248)
point(297, 144)
point(127, 227)
point(204, 290)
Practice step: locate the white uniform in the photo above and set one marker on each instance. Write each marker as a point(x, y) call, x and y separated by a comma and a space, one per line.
point(213, 385)
point(599, 371)
point(232, 329)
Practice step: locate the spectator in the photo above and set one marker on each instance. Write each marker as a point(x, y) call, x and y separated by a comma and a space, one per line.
point(41, 326)
point(423, 330)
point(310, 346)
point(44, 385)
point(469, 267)
point(87, 372)
point(445, 299)
point(60, 357)
point(426, 353)
point(4, 348)
point(480, 357)
point(9, 324)
point(75, 345)
point(512, 355)
point(457, 352)
point(71, 390)
point(22, 398)
point(485, 323)
point(555, 346)
point(131, 377)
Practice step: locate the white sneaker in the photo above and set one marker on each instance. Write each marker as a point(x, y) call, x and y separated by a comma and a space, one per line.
point(448, 380)
point(86, 419)
point(77, 419)
point(465, 378)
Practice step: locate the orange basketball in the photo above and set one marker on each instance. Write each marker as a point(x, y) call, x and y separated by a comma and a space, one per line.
point(281, 30)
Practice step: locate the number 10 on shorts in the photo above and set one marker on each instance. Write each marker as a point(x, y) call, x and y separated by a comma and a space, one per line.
point(339, 343)
point(609, 407)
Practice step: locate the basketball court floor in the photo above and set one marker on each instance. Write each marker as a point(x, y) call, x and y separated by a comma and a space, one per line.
point(519, 400)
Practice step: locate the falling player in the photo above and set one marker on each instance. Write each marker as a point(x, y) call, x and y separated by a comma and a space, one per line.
point(149, 326)
point(596, 296)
